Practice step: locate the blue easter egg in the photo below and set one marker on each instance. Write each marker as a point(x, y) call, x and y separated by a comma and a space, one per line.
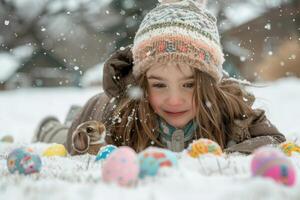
point(21, 160)
point(105, 151)
point(153, 158)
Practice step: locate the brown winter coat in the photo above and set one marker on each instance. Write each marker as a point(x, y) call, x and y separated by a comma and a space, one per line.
point(247, 135)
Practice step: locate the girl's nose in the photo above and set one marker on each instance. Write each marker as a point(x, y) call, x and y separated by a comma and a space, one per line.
point(175, 99)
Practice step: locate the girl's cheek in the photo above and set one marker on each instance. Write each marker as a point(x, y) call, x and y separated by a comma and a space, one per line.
point(155, 100)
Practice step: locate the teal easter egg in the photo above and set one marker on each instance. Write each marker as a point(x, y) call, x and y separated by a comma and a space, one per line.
point(154, 158)
point(23, 161)
point(105, 151)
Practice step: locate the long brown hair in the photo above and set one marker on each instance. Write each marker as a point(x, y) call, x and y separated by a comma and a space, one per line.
point(134, 122)
point(217, 106)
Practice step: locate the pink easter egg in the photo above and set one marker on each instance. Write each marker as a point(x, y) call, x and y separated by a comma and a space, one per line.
point(121, 167)
point(272, 163)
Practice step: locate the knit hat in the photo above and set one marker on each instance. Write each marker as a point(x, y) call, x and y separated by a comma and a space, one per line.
point(181, 31)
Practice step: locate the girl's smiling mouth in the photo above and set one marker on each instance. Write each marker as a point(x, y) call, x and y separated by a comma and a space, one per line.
point(176, 113)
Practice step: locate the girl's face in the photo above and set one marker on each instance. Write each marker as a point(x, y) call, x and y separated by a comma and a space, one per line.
point(171, 90)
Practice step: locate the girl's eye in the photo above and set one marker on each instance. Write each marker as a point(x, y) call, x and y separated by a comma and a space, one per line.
point(188, 85)
point(158, 85)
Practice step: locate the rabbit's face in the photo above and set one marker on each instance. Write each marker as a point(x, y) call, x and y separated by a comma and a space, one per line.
point(89, 137)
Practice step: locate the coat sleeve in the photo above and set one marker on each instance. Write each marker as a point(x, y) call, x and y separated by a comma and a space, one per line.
point(117, 73)
point(253, 133)
point(92, 110)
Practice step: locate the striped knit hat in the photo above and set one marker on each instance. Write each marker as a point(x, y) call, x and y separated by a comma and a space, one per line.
point(180, 31)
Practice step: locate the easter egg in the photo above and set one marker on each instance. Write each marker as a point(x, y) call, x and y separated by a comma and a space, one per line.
point(105, 151)
point(154, 158)
point(121, 167)
point(289, 147)
point(204, 146)
point(272, 163)
point(23, 161)
point(55, 150)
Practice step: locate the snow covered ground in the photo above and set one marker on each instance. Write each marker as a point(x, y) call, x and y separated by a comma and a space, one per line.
point(80, 178)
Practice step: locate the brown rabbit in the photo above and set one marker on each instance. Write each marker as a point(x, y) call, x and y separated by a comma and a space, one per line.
point(88, 137)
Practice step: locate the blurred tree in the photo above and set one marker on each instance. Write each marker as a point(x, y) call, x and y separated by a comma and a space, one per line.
point(132, 12)
point(296, 4)
point(68, 29)
point(63, 30)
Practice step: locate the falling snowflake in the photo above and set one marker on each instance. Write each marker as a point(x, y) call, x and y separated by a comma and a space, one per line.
point(122, 12)
point(268, 26)
point(135, 92)
point(208, 104)
point(242, 58)
point(6, 22)
point(293, 57)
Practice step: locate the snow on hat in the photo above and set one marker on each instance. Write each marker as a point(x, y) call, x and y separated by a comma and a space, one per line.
point(181, 31)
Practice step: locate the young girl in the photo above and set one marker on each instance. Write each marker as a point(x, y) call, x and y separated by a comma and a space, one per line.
point(176, 60)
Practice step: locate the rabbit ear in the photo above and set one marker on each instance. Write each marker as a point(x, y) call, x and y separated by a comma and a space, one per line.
point(80, 142)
